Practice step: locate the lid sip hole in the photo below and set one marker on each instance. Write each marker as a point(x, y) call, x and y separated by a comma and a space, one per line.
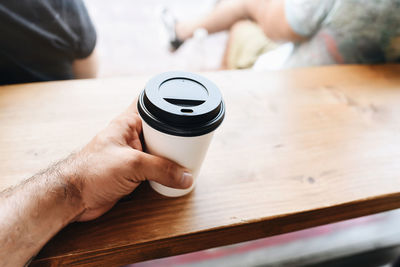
point(187, 110)
point(184, 102)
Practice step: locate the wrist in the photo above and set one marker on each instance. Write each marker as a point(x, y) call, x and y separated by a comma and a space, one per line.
point(37, 209)
point(73, 197)
point(67, 181)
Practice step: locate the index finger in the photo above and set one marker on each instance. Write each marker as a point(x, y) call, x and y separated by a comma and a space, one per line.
point(132, 108)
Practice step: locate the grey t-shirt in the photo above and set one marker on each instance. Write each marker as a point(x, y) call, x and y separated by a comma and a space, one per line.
point(40, 39)
point(344, 31)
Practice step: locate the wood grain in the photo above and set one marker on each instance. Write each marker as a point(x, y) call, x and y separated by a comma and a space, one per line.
point(298, 148)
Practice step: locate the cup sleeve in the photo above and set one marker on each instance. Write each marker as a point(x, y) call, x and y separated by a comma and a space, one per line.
point(305, 16)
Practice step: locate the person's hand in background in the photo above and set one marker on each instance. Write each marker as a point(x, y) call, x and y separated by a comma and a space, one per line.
point(82, 187)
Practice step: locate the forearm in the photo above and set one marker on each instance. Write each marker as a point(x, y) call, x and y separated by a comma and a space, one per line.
point(32, 212)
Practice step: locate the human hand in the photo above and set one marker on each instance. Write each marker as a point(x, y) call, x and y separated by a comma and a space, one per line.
point(81, 187)
point(112, 165)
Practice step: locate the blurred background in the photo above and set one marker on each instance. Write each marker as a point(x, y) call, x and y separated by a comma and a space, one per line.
point(131, 39)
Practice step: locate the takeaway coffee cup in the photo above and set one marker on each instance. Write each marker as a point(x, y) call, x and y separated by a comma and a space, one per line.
point(180, 112)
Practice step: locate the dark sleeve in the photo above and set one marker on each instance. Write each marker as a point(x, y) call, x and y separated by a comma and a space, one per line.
point(40, 39)
point(79, 21)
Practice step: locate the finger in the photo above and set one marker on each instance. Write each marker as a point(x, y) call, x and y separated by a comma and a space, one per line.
point(133, 120)
point(126, 120)
point(135, 142)
point(128, 128)
point(132, 108)
point(164, 171)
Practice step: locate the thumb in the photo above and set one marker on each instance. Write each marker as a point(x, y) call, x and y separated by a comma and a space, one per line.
point(164, 171)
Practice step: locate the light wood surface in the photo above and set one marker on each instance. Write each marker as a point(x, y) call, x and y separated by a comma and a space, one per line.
point(298, 148)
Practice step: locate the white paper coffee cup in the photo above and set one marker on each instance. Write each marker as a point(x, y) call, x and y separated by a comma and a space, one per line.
point(180, 112)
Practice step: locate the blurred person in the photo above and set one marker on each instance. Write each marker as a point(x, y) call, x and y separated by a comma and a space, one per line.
point(323, 32)
point(45, 40)
point(81, 187)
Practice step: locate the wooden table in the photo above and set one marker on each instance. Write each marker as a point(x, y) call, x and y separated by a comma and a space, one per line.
point(298, 148)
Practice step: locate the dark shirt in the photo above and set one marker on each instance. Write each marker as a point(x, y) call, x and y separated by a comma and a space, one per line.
point(40, 39)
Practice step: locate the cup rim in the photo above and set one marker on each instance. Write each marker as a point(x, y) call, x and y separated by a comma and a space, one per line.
point(168, 118)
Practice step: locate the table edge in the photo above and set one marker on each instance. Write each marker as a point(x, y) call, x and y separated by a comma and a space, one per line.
point(226, 235)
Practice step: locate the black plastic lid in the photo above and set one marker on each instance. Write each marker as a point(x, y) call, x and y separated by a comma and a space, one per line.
point(182, 104)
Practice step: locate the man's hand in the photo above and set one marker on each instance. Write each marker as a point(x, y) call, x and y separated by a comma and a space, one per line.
point(81, 187)
point(112, 165)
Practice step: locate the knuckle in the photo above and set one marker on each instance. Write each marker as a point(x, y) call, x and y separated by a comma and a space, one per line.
point(136, 160)
point(117, 121)
point(126, 121)
point(102, 138)
point(132, 122)
point(138, 120)
point(121, 119)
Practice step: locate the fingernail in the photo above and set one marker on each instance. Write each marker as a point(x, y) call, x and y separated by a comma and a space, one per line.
point(187, 180)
